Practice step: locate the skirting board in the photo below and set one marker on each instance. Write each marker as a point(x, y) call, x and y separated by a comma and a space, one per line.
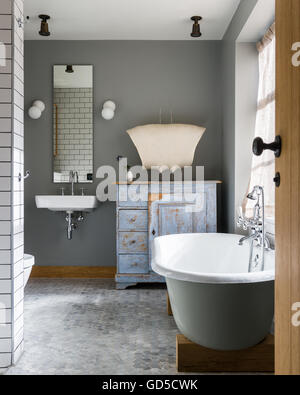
point(73, 272)
point(192, 358)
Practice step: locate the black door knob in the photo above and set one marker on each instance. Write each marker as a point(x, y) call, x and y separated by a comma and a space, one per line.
point(277, 180)
point(259, 146)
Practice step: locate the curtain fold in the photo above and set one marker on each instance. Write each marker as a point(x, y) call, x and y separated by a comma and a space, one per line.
point(263, 167)
point(267, 38)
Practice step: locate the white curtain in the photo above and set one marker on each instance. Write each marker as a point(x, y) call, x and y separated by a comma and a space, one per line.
point(263, 167)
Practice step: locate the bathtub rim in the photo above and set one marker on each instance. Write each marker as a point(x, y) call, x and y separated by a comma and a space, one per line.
point(211, 278)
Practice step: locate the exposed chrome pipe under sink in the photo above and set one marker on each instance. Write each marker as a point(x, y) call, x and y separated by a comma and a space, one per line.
point(71, 225)
point(72, 220)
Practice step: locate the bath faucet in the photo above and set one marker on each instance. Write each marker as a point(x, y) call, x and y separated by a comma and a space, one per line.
point(253, 236)
point(256, 225)
point(73, 178)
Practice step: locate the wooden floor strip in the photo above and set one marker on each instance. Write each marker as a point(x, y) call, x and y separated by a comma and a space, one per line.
point(73, 272)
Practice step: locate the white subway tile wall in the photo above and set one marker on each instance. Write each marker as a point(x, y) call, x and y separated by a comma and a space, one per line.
point(75, 132)
point(11, 190)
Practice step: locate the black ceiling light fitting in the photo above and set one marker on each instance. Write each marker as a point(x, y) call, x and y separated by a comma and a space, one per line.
point(69, 69)
point(196, 27)
point(44, 25)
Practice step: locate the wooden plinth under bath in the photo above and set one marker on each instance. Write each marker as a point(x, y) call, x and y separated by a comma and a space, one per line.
point(192, 358)
point(169, 308)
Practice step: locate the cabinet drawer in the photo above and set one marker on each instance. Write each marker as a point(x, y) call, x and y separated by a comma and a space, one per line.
point(133, 264)
point(133, 220)
point(129, 193)
point(133, 242)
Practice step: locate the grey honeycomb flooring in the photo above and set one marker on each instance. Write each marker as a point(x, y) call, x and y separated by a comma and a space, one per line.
point(88, 327)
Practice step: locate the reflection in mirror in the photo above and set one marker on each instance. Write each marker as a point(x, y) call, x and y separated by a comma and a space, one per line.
point(72, 122)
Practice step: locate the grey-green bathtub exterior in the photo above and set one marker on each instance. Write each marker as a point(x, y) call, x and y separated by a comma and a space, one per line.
point(217, 310)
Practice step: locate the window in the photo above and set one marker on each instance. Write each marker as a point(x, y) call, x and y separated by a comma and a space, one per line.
point(263, 167)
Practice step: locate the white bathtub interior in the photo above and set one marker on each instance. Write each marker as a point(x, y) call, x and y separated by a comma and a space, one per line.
point(212, 258)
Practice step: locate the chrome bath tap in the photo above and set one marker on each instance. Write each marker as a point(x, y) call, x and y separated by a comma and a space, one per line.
point(256, 226)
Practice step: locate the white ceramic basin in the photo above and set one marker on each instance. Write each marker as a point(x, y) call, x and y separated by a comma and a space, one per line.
point(66, 203)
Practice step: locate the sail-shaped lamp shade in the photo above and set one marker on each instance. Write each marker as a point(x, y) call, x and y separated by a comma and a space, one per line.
point(168, 145)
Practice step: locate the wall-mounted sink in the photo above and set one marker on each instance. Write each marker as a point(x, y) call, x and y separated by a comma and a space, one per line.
point(73, 205)
point(67, 203)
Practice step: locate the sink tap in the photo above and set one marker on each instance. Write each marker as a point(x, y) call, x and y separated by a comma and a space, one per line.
point(73, 178)
point(256, 226)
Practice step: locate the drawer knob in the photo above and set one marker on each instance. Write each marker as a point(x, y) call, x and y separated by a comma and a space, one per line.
point(153, 232)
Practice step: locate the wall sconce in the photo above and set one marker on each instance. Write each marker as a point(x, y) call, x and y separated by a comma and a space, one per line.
point(108, 110)
point(36, 109)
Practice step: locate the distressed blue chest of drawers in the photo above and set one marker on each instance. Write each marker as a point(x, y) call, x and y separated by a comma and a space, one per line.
point(145, 211)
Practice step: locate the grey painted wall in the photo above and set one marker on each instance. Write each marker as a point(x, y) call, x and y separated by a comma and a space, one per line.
point(140, 77)
point(228, 61)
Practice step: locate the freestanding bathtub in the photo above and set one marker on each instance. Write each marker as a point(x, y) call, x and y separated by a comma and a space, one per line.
point(215, 301)
point(28, 264)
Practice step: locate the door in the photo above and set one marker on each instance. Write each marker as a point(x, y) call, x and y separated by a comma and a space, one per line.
point(170, 216)
point(175, 218)
point(287, 284)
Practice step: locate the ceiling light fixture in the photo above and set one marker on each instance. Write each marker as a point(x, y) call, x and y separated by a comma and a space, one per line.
point(44, 25)
point(69, 69)
point(196, 27)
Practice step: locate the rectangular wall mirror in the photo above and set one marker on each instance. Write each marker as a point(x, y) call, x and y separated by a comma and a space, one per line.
point(72, 123)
